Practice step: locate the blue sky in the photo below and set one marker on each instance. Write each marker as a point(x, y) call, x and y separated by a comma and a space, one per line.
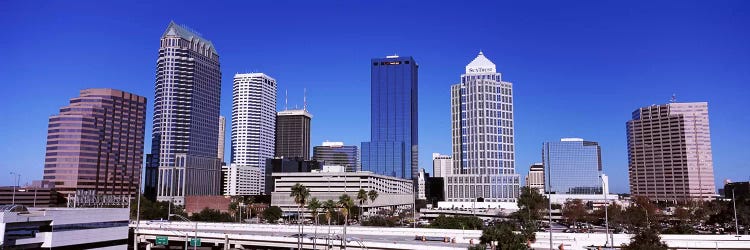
point(579, 68)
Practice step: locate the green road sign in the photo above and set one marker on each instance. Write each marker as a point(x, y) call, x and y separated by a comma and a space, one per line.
point(162, 240)
point(195, 242)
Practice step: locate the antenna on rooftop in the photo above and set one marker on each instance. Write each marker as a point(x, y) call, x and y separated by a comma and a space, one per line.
point(304, 99)
point(673, 99)
point(286, 99)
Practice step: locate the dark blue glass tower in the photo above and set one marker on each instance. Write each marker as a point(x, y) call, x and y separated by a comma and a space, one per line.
point(392, 149)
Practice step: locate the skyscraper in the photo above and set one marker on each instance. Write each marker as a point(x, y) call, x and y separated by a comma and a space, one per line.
point(186, 118)
point(483, 138)
point(253, 126)
point(441, 165)
point(337, 154)
point(392, 149)
point(222, 136)
point(96, 143)
point(293, 134)
point(572, 166)
point(669, 152)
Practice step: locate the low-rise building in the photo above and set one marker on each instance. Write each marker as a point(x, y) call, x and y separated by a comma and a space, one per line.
point(63, 228)
point(196, 204)
point(29, 196)
point(392, 191)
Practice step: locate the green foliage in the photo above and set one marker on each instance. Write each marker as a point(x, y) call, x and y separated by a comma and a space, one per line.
point(211, 215)
point(503, 233)
point(153, 210)
point(330, 210)
point(532, 203)
point(314, 206)
point(300, 194)
point(272, 214)
point(346, 203)
point(646, 239)
point(381, 221)
point(457, 222)
point(679, 228)
point(574, 211)
point(372, 195)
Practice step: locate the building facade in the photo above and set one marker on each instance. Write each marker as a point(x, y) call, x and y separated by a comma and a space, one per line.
point(483, 138)
point(392, 191)
point(63, 228)
point(393, 146)
point(421, 184)
point(293, 134)
point(441, 165)
point(184, 155)
point(242, 180)
point(287, 165)
point(572, 166)
point(535, 178)
point(253, 125)
point(337, 154)
point(222, 137)
point(669, 152)
point(96, 143)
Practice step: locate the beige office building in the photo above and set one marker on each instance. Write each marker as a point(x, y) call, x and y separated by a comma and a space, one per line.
point(669, 152)
point(535, 178)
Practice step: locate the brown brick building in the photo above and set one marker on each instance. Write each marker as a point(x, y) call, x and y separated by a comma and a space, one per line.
point(96, 143)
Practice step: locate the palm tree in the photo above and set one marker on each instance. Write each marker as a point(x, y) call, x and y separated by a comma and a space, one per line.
point(362, 198)
point(314, 205)
point(372, 195)
point(346, 203)
point(300, 194)
point(330, 207)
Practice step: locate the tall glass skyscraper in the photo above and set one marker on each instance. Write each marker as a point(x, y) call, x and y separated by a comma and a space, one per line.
point(392, 149)
point(483, 138)
point(184, 149)
point(573, 166)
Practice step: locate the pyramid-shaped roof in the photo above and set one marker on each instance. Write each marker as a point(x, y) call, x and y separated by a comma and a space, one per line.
point(480, 64)
point(174, 29)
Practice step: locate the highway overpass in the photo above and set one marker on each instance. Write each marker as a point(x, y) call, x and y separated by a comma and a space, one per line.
point(266, 236)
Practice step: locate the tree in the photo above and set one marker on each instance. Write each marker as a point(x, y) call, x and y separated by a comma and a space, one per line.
point(346, 203)
point(211, 215)
point(151, 210)
point(646, 239)
point(457, 222)
point(362, 198)
point(272, 214)
point(300, 194)
point(574, 211)
point(532, 203)
point(503, 234)
point(330, 208)
point(314, 205)
point(642, 213)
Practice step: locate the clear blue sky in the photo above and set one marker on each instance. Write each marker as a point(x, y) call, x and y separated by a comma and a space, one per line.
point(579, 68)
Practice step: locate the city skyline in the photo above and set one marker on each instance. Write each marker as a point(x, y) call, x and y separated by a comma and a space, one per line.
point(683, 70)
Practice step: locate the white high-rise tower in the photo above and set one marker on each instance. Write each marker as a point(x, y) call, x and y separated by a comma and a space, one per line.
point(253, 127)
point(483, 141)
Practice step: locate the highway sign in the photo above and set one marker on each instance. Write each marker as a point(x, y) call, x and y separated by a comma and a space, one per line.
point(162, 240)
point(195, 242)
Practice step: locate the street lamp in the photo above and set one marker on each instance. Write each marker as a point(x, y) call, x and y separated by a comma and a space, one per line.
point(606, 213)
point(736, 222)
point(195, 244)
point(18, 177)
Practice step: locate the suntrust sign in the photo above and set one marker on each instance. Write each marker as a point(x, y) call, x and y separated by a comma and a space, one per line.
point(480, 70)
